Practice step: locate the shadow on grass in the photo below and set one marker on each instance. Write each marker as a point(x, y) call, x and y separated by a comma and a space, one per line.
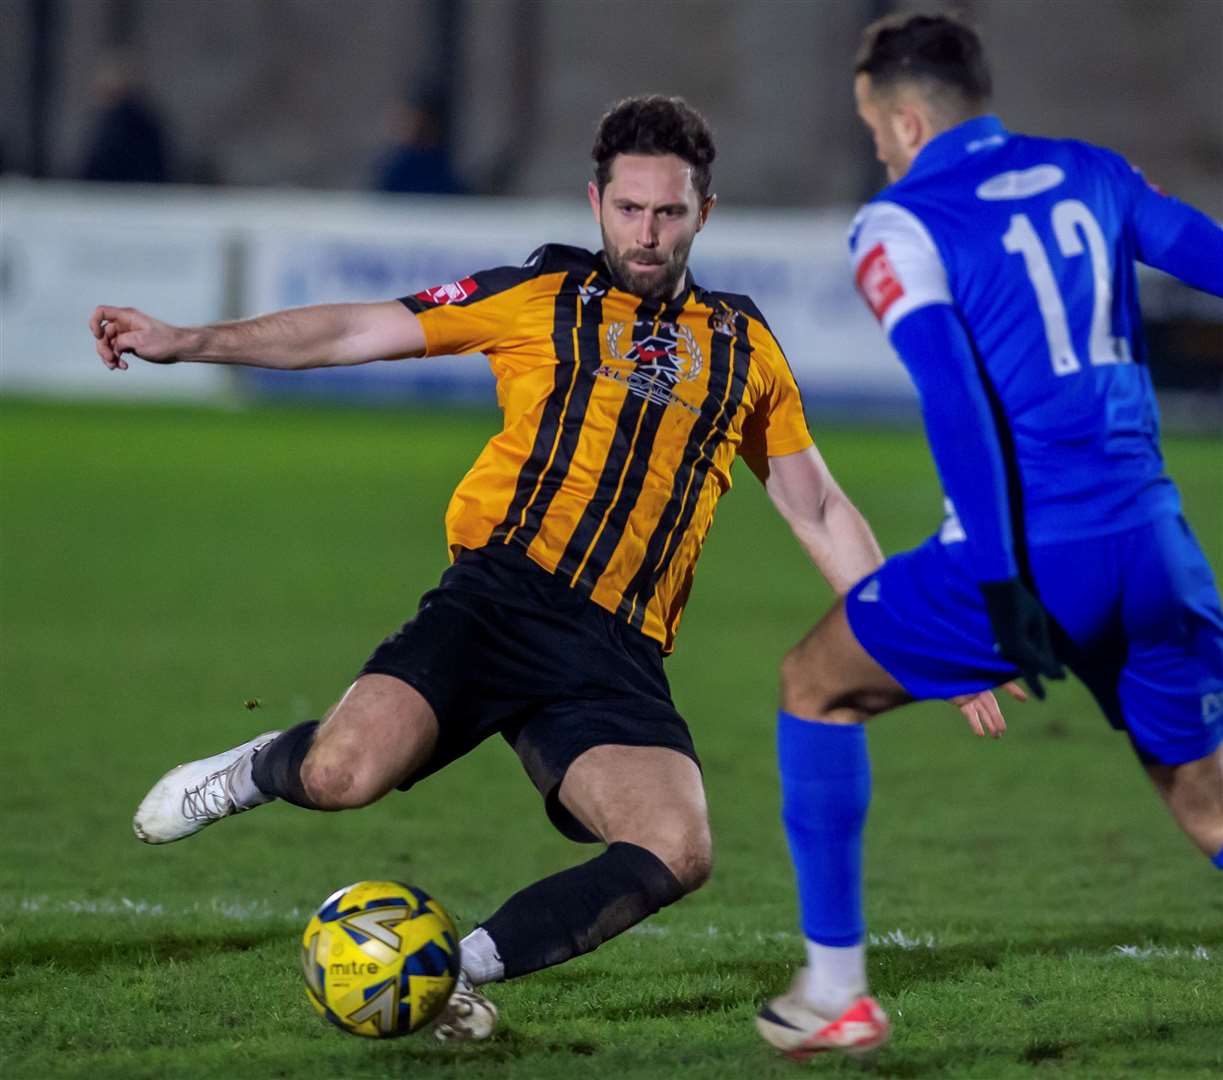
point(894, 969)
point(86, 955)
point(747, 983)
point(1109, 1041)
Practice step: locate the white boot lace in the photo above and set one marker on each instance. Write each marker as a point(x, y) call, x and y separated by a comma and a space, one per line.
point(213, 798)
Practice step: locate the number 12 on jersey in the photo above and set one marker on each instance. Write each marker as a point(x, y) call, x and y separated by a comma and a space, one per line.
point(1073, 223)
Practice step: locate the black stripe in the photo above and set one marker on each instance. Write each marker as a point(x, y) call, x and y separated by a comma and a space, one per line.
point(571, 424)
point(564, 319)
point(634, 475)
point(1065, 648)
point(714, 423)
point(615, 462)
point(1010, 465)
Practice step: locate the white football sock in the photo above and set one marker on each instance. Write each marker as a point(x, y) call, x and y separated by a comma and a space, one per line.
point(835, 977)
point(242, 784)
point(479, 956)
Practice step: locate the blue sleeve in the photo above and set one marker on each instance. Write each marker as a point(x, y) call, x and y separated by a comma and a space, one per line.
point(937, 351)
point(1174, 237)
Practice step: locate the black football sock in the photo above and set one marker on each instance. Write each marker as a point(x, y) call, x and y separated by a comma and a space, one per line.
point(575, 911)
point(277, 767)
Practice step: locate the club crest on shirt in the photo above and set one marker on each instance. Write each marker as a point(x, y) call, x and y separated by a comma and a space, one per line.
point(722, 321)
point(878, 282)
point(451, 293)
point(661, 360)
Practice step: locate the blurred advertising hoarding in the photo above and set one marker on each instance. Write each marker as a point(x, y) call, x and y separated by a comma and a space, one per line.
point(62, 254)
point(793, 265)
point(191, 256)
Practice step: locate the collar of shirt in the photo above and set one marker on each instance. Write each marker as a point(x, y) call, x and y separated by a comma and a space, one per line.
point(949, 148)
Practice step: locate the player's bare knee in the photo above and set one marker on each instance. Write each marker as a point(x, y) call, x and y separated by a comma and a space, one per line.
point(802, 689)
point(695, 868)
point(335, 785)
point(688, 855)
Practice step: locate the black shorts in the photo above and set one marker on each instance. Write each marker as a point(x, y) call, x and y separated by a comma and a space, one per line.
point(501, 645)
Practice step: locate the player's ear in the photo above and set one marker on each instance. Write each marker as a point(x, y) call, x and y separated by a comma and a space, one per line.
point(706, 209)
point(909, 124)
point(596, 202)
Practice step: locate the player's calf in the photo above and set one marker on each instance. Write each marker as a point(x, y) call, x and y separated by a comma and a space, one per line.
point(380, 733)
point(1193, 793)
point(574, 912)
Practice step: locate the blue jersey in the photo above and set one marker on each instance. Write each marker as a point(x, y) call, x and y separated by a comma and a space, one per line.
point(1002, 268)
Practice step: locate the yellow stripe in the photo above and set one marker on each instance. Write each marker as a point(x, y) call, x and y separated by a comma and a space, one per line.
point(560, 427)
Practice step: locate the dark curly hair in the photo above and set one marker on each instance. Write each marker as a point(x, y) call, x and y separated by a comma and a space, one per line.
point(654, 124)
point(938, 50)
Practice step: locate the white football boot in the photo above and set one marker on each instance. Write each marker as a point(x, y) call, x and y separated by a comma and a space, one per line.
point(200, 792)
point(468, 1015)
point(798, 1031)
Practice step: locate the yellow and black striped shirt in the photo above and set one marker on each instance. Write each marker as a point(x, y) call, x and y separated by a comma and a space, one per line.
point(622, 420)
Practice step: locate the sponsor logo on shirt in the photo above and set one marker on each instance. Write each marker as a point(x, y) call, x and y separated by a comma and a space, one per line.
point(869, 593)
point(1021, 183)
point(661, 361)
point(1212, 707)
point(877, 281)
point(452, 293)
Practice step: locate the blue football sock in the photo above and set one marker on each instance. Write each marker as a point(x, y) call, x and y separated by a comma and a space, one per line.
point(1218, 859)
point(826, 790)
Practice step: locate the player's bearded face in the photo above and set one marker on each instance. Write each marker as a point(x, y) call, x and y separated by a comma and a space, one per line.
point(649, 214)
point(646, 272)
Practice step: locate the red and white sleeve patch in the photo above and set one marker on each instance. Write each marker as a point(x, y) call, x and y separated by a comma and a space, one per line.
point(878, 282)
point(451, 293)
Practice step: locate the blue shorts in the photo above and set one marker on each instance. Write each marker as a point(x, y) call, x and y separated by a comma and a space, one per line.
point(1138, 621)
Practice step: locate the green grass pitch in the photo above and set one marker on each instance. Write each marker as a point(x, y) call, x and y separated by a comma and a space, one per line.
point(1036, 912)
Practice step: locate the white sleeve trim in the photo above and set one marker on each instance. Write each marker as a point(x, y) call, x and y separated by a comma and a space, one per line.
point(897, 266)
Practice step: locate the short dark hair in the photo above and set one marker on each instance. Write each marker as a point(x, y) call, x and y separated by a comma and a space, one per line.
point(654, 124)
point(939, 51)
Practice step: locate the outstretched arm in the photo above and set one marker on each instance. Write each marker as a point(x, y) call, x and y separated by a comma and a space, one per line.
point(328, 335)
point(825, 522)
point(840, 542)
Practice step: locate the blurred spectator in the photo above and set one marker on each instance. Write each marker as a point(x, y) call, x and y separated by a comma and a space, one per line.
point(127, 142)
point(416, 158)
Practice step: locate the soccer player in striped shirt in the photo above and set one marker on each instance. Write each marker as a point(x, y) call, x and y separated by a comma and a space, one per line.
point(1001, 268)
point(628, 391)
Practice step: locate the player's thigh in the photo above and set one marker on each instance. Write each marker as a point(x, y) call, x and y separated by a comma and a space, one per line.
point(1171, 684)
point(381, 731)
point(652, 796)
point(829, 676)
point(919, 630)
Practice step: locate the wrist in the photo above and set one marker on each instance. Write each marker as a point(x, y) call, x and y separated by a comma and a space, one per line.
point(194, 343)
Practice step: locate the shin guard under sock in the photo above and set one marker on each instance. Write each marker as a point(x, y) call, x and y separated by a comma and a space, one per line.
point(575, 911)
point(277, 768)
point(826, 790)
